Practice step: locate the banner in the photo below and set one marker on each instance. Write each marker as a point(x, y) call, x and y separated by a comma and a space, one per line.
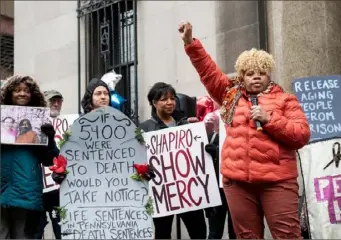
point(185, 177)
point(60, 124)
point(101, 199)
point(320, 98)
point(323, 188)
point(21, 125)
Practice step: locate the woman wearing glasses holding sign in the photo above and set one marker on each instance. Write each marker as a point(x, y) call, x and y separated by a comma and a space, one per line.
point(258, 165)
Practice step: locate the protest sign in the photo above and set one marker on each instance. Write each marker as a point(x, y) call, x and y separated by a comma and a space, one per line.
point(322, 188)
point(101, 199)
point(185, 177)
point(21, 125)
point(320, 98)
point(60, 124)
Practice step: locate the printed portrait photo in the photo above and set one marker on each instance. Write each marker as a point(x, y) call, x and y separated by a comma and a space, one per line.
point(21, 125)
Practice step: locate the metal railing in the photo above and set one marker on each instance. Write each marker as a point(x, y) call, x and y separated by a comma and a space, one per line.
point(111, 44)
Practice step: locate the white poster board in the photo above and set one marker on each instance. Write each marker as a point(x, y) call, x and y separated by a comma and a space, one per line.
point(21, 125)
point(101, 198)
point(222, 136)
point(322, 189)
point(185, 177)
point(60, 124)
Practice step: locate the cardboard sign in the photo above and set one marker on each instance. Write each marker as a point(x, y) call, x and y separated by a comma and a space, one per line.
point(185, 177)
point(101, 198)
point(21, 125)
point(322, 188)
point(60, 124)
point(320, 98)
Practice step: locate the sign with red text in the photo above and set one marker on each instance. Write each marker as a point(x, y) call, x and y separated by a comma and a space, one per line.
point(60, 124)
point(185, 177)
point(323, 188)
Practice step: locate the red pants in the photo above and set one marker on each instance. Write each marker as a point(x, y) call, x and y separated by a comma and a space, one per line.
point(250, 202)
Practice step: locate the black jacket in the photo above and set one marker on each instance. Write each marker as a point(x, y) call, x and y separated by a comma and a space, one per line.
point(155, 123)
point(213, 150)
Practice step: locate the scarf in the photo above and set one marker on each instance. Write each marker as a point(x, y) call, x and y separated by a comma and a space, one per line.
point(231, 98)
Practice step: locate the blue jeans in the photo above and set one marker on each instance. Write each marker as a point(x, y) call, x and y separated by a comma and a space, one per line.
point(51, 200)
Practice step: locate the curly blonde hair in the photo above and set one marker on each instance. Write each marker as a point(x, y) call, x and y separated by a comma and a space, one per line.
point(256, 60)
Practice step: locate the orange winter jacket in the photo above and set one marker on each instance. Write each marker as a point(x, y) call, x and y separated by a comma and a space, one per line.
point(249, 155)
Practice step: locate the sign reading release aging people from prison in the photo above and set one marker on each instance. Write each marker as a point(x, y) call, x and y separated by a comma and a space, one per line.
point(320, 98)
point(185, 177)
point(101, 199)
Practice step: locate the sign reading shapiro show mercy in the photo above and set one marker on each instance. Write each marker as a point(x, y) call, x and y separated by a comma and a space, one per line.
point(320, 98)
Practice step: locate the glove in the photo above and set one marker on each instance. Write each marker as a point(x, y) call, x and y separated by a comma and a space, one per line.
point(58, 178)
point(211, 149)
point(48, 129)
point(150, 174)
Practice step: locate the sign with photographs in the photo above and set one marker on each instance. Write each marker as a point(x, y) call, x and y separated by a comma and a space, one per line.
point(21, 125)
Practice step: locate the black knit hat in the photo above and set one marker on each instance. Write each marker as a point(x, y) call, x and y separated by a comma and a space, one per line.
point(87, 98)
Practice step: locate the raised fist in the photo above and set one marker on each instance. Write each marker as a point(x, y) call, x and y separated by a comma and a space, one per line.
point(185, 30)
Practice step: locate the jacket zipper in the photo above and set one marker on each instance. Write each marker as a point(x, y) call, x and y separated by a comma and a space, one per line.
point(248, 149)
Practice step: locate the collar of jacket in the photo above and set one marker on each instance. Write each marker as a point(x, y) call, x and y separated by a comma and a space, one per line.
point(176, 115)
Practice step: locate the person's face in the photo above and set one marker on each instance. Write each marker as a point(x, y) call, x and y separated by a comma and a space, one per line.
point(165, 105)
point(25, 127)
point(55, 105)
point(21, 95)
point(100, 98)
point(211, 121)
point(9, 124)
point(255, 82)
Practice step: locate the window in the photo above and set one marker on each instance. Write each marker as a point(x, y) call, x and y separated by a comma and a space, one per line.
point(6, 56)
point(111, 44)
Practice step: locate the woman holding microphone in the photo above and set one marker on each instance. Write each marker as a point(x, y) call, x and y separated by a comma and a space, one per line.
point(258, 166)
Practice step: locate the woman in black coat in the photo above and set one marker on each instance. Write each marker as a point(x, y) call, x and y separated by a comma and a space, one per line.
point(162, 98)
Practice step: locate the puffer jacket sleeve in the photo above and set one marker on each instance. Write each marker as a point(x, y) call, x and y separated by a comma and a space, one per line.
point(214, 80)
point(290, 128)
point(48, 153)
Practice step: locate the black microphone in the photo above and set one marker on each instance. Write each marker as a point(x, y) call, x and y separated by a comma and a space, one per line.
point(254, 102)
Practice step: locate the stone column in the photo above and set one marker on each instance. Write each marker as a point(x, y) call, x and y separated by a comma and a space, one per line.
point(305, 39)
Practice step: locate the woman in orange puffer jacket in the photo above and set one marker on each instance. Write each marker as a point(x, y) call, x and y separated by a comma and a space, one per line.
point(259, 167)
